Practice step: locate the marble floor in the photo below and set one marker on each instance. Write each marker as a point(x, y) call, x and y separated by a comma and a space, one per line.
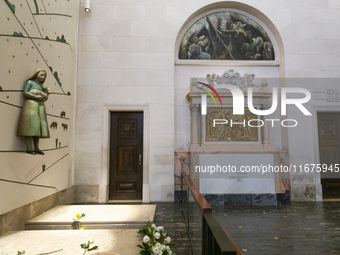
point(170, 216)
point(298, 228)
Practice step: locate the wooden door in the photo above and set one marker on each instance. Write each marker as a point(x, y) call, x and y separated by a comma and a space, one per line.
point(329, 149)
point(126, 156)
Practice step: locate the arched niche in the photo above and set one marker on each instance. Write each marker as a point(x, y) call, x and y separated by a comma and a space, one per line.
point(186, 69)
point(256, 28)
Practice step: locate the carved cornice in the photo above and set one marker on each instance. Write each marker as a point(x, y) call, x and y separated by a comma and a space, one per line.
point(261, 96)
point(229, 77)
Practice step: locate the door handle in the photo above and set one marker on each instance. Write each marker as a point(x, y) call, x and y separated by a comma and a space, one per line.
point(140, 159)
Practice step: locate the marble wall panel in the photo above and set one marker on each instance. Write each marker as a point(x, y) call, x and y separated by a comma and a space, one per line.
point(87, 194)
point(182, 165)
point(303, 192)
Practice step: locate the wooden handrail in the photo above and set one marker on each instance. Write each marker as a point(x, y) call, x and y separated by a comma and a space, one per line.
point(224, 242)
point(232, 241)
point(215, 238)
point(200, 200)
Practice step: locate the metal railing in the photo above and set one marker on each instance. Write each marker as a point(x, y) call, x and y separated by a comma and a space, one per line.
point(206, 235)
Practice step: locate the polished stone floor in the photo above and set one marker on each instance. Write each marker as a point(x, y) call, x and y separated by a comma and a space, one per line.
point(294, 229)
point(170, 216)
point(299, 228)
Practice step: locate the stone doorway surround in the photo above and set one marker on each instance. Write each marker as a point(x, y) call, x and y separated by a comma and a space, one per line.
point(315, 110)
point(104, 174)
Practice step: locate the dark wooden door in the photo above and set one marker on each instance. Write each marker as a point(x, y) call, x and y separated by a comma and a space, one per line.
point(329, 148)
point(126, 156)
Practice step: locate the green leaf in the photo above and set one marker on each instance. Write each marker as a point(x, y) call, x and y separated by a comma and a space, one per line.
point(93, 248)
point(12, 7)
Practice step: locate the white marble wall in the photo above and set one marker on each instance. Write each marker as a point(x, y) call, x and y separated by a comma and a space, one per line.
point(127, 58)
point(126, 61)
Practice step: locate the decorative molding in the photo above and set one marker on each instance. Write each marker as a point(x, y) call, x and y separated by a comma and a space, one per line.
point(231, 77)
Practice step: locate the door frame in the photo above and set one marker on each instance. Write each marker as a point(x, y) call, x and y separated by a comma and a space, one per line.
point(105, 162)
point(315, 110)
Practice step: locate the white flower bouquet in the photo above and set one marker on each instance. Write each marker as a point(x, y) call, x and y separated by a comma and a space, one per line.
point(155, 240)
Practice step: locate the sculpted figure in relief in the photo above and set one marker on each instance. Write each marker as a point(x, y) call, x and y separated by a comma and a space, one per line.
point(33, 119)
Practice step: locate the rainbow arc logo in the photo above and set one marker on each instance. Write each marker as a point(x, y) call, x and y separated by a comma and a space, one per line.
point(204, 97)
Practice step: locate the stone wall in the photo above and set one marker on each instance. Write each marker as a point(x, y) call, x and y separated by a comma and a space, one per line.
point(15, 220)
point(37, 34)
point(127, 60)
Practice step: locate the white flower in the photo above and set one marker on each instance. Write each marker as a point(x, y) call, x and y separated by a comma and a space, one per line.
point(157, 235)
point(168, 249)
point(146, 239)
point(153, 225)
point(91, 241)
point(167, 239)
point(158, 245)
point(155, 250)
point(159, 228)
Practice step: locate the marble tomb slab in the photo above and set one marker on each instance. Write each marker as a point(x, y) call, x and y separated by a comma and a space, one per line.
point(96, 217)
point(121, 241)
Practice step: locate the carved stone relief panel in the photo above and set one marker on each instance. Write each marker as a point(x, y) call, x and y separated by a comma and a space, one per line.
point(234, 130)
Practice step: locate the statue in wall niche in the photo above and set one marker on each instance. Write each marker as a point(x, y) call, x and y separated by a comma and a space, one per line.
point(33, 119)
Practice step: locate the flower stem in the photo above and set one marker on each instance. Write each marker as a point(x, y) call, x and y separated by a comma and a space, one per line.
point(49, 252)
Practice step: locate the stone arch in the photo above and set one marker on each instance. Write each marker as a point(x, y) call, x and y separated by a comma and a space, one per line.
point(242, 9)
point(185, 69)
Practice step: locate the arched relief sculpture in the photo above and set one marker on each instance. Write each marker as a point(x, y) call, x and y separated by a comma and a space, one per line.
point(226, 36)
point(33, 119)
